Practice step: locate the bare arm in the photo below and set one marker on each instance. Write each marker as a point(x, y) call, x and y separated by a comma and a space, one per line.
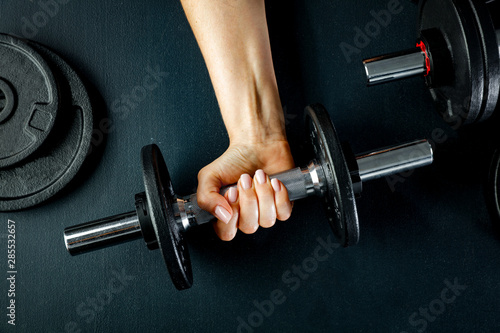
point(234, 41)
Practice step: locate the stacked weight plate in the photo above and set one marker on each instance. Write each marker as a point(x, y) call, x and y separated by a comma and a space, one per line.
point(471, 29)
point(457, 52)
point(46, 123)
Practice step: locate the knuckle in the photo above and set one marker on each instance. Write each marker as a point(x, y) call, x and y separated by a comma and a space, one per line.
point(284, 213)
point(282, 199)
point(249, 228)
point(268, 219)
point(227, 235)
point(248, 202)
point(268, 223)
point(202, 173)
point(284, 217)
point(203, 200)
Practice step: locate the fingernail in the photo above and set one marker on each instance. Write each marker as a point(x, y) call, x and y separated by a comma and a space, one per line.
point(261, 177)
point(232, 194)
point(222, 214)
point(246, 181)
point(276, 185)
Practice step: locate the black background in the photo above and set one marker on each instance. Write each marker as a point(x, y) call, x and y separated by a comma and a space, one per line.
point(432, 227)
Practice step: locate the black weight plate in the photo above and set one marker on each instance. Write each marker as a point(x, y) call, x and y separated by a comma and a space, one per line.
point(56, 162)
point(489, 42)
point(461, 101)
point(493, 190)
point(161, 197)
point(29, 100)
point(489, 19)
point(339, 199)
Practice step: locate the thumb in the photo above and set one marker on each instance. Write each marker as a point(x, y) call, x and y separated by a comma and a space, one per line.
point(209, 199)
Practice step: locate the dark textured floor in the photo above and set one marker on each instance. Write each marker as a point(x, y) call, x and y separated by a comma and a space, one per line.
point(427, 258)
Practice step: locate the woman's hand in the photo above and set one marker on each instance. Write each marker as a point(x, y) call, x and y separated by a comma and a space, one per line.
point(256, 202)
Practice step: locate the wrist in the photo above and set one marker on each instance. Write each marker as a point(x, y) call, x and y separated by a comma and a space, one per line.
point(258, 128)
point(255, 115)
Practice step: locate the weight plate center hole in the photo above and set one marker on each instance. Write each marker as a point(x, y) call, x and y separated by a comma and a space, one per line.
point(7, 101)
point(2, 100)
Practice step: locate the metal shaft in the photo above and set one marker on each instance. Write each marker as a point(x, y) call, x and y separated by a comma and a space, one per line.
point(102, 233)
point(395, 66)
point(299, 182)
point(394, 160)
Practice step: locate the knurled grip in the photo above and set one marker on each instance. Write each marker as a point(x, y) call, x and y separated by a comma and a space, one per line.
point(295, 181)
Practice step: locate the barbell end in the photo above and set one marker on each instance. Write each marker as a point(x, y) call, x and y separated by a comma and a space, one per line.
point(95, 235)
point(396, 159)
point(396, 66)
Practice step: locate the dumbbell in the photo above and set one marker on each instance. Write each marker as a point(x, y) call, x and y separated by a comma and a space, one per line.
point(458, 53)
point(161, 217)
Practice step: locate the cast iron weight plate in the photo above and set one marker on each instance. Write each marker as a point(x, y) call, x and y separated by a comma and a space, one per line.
point(52, 166)
point(470, 33)
point(488, 20)
point(161, 196)
point(339, 201)
point(30, 100)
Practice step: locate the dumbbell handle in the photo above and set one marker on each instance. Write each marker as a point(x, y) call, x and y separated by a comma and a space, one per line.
point(300, 183)
point(308, 181)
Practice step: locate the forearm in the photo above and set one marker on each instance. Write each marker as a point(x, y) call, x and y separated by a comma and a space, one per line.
point(234, 41)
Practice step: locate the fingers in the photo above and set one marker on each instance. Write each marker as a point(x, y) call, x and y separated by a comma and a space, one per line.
point(283, 204)
point(264, 191)
point(252, 203)
point(209, 198)
point(249, 205)
point(261, 202)
point(227, 232)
